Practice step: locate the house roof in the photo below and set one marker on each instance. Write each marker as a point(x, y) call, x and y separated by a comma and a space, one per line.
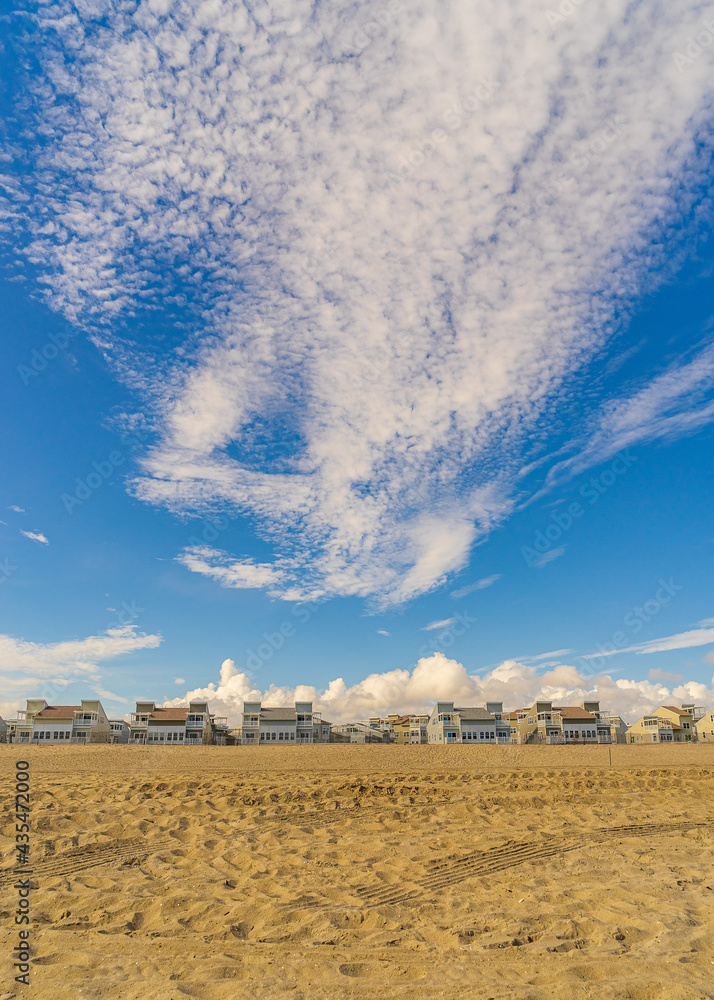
point(576, 714)
point(474, 715)
point(677, 711)
point(278, 714)
point(58, 712)
point(168, 715)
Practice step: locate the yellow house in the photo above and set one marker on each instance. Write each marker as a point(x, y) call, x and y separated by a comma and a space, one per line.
point(705, 728)
point(683, 716)
point(654, 729)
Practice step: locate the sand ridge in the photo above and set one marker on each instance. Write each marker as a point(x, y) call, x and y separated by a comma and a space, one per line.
point(370, 872)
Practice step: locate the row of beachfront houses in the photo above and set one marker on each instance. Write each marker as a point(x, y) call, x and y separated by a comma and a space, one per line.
point(194, 725)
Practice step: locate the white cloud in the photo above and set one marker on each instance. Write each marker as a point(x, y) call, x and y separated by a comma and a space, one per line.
point(443, 623)
point(437, 677)
point(73, 659)
point(18, 510)
point(383, 631)
point(673, 404)
point(179, 680)
point(35, 536)
point(486, 581)
point(409, 307)
point(681, 640)
point(548, 556)
point(110, 696)
point(663, 675)
point(554, 653)
point(245, 574)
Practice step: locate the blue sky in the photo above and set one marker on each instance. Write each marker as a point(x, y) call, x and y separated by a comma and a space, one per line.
point(351, 354)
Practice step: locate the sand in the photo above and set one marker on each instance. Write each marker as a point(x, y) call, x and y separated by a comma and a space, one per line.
point(367, 872)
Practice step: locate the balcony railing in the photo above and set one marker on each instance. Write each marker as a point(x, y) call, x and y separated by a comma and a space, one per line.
point(85, 718)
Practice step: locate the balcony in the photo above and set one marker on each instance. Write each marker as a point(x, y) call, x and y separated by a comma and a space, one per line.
point(85, 718)
point(139, 721)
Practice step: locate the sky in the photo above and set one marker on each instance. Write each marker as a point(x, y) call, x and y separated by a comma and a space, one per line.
point(356, 352)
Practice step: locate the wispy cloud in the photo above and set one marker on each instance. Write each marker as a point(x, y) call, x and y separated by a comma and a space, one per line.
point(179, 680)
point(549, 556)
point(18, 510)
point(72, 658)
point(481, 584)
point(383, 631)
point(681, 640)
point(35, 536)
point(369, 346)
point(553, 654)
point(444, 623)
point(110, 696)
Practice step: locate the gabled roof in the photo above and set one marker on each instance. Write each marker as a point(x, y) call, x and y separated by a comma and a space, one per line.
point(278, 715)
point(677, 711)
point(58, 712)
point(576, 714)
point(474, 715)
point(168, 715)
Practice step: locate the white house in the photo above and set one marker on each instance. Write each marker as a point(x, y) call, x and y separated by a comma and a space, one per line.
point(262, 725)
point(176, 726)
point(41, 723)
point(448, 724)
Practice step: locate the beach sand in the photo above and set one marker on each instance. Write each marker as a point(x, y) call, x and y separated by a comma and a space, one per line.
point(366, 871)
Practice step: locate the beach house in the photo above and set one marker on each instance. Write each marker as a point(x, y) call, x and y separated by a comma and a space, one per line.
point(41, 724)
point(118, 731)
point(176, 726)
point(450, 724)
point(704, 728)
point(686, 716)
point(265, 724)
point(654, 729)
point(359, 732)
point(544, 722)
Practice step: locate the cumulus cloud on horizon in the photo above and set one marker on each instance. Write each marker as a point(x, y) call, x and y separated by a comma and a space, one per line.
point(438, 678)
point(391, 256)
